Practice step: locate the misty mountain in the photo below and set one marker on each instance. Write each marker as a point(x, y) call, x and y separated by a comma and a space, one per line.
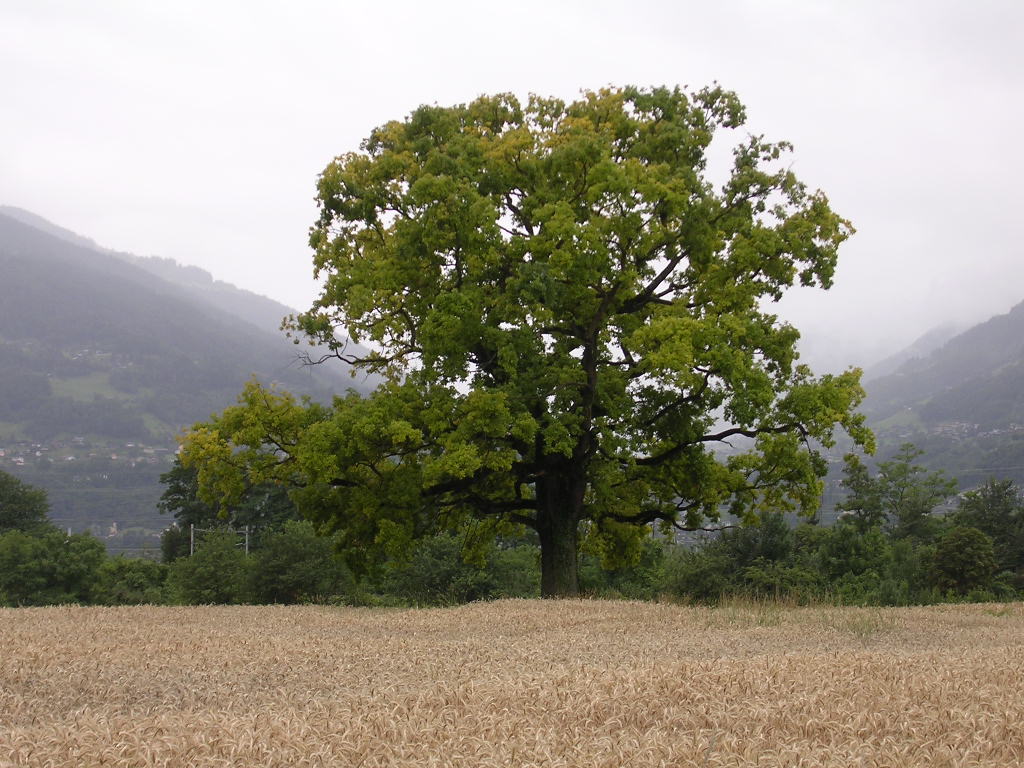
point(196, 283)
point(168, 350)
point(104, 357)
point(919, 348)
point(38, 222)
point(963, 402)
point(952, 380)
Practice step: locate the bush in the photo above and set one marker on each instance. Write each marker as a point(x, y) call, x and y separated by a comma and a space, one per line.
point(296, 565)
point(702, 575)
point(643, 580)
point(131, 581)
point(771, 539)
point(964, 561)
point(766, 578)
point(845, 549)
point(437, 574)
point(216, 573)
point(48, 568)
point(515, 571)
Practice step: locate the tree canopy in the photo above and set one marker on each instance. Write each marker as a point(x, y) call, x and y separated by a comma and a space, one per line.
point(902, 495)
point(570, 313)
point(22, 506)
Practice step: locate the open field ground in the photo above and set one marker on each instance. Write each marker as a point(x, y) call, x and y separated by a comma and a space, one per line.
point(513, 683)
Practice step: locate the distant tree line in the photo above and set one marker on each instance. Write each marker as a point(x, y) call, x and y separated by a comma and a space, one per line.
point(889, 547)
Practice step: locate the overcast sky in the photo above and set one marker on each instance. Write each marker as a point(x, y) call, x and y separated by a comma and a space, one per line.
point(196, 130)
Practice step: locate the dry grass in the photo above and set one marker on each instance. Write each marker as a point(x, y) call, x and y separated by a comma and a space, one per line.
point(513, 683)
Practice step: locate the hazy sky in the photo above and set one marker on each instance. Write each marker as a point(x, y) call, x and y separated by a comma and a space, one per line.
point(196, 130)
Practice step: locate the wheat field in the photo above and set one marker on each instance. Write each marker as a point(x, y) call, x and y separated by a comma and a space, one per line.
point(513, 683)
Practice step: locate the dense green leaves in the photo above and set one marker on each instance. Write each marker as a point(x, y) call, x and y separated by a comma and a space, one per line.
point(48, 567)
point(216, 573)
point(964, 560)
point(130, 581)
point(997, 510)
point(295, 565)
point(903, 495)
point(572, 322)
point(22, 507)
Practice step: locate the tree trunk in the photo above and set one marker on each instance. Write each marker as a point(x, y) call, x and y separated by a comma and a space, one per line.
point(558, 517)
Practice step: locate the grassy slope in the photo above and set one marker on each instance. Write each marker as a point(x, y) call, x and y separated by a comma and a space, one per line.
point(85, 388)
point(513, 683)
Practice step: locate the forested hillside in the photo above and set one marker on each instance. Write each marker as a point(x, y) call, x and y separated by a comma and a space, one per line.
point(104, 358)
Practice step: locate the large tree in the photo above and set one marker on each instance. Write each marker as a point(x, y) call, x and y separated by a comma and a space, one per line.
point(570, 313)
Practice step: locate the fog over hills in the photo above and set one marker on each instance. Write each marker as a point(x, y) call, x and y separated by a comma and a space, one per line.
point(951, 381)
point(963, 402)
point(919, 348)
point(196, 283)
point(105, 357)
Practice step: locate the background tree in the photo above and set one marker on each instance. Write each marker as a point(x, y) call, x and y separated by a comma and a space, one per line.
point(997, 510)
point(48, 567)
point(570, 318)
point(964, 560)
point(265, 509)
point(22, 507)
point(902, 494)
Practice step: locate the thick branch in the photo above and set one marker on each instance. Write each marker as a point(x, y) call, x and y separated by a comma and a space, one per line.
point(648, 461)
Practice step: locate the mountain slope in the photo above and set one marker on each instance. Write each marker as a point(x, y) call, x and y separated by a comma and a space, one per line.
point(972, 361)
point(919, 348)
point(192, 282)
point(963, 403)
point(102, 362)
point(69, 312)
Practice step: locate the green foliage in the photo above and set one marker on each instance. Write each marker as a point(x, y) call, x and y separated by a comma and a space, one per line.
point(964, 560)
point(22, 507)
point(437, 573)
point(515, 570)
point(847, 563)
point(772, 579)
point(130, 581)
point(902, 494)
point(848, 549)
point(175, 542)
point(769, 539)
point(181, 498)
point(296, 565)
point(997, 510)
point(264, 508)
point(704, 575)
point(563, 304)
point(48, 567)
point(217, 573)
point(642, 580)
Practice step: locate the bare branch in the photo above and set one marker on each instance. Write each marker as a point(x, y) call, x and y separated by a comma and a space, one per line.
point(675, 450)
